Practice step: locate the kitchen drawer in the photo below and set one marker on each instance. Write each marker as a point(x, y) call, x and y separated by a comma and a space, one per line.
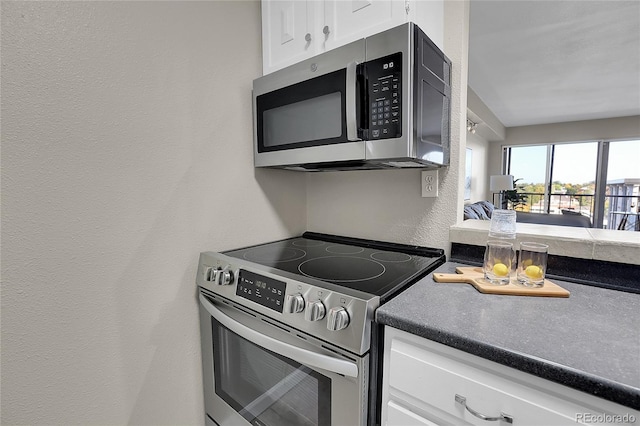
point(398, 415)
point(422, 378)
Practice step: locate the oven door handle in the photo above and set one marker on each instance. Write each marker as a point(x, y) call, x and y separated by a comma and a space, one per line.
point(303, 356)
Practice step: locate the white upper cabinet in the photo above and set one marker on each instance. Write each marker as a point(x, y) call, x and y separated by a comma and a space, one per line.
point(429, 16)
point(287, 33)
point(349, 20)
point(294, 30)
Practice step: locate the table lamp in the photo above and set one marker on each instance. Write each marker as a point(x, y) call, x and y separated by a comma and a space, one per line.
point(501, 183)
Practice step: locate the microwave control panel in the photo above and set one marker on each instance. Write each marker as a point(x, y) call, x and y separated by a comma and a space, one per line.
point(384, 77)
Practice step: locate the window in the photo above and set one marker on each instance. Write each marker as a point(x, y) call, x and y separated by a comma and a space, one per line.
point(623, 180)
point(528, 165)
point(595, 179)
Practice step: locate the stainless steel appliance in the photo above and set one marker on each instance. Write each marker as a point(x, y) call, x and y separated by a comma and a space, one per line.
point(287, 329)
point(379, 102)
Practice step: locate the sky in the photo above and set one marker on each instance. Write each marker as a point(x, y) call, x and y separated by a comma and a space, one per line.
point(576, 162)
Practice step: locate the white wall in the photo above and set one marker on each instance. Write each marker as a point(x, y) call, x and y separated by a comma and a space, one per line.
point(479, 168)
point(574, 131)
point(126, 150)
point(387, 205)
point(489, 127)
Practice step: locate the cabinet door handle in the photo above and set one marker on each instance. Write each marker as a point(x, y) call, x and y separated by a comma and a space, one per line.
point(504, 417)
point(325, 30)
point(307, 37)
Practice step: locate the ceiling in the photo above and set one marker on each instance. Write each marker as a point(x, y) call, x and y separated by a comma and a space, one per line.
point(537, 62)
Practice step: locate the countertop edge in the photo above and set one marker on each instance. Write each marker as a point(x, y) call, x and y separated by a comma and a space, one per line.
point(576, 379)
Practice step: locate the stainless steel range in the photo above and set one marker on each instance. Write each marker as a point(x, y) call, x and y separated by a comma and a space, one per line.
point(288, 336)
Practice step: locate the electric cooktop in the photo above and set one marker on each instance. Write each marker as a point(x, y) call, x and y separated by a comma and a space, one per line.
point(373, 267)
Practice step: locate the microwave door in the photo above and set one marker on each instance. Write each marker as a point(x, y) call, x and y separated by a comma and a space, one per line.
point(308, 112)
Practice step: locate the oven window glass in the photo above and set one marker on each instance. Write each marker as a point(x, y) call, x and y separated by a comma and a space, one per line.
point(266, 388)
point(306, 114)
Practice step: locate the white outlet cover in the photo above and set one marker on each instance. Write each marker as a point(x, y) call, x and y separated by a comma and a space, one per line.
point(429, 183)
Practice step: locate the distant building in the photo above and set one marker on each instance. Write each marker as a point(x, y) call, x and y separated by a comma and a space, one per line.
point(624, 197)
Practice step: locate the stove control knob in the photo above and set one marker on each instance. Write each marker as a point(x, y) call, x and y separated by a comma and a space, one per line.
point(226, 277)
point(315, 311)
point(209, 273)
point(293, 303)
point(338, 318)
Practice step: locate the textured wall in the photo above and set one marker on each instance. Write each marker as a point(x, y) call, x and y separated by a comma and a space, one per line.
point(387, 205)
point(126, 150)
point(479, 168)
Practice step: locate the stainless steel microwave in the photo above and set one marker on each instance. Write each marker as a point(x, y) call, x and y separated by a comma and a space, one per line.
point(379, 102)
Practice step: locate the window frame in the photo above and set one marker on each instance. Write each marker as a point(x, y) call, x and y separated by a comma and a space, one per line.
point(602, 162)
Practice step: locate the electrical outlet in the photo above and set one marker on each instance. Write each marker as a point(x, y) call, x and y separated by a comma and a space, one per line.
point(429, 183)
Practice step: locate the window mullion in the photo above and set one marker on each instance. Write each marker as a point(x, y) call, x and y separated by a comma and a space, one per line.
point(601, 184)
point(548, 185)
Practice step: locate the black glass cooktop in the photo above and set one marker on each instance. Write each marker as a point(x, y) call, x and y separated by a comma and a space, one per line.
point(373, 267)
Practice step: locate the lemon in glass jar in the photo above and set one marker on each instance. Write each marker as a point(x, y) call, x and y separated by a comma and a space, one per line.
point(500, 270)
point(533, 271)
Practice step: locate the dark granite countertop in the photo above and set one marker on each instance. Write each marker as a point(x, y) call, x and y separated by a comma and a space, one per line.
point(589, 341)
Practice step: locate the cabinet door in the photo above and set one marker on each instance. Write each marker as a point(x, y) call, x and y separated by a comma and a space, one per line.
point(349, 20)
point(287, 36)
point(400, 416)
point(425, 382)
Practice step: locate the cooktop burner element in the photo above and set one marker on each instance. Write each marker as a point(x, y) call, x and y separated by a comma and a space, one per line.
point(342, 249)
point(373, 267)
point(302, 242)
point(390, 257)
point(273, 254)
point(341, 269)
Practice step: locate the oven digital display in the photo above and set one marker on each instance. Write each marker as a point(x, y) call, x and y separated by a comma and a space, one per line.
point(265, 291)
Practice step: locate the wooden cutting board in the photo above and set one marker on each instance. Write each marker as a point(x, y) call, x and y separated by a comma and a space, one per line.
point(475, 277)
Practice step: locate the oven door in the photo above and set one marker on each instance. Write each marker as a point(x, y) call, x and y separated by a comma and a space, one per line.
point(259, 373)
point(310, 112)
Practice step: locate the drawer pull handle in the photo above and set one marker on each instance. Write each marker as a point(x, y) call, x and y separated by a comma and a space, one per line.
point(504, 417)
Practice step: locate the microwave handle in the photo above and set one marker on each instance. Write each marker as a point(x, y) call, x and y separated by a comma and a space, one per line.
point(303, 356)
point(351, 97)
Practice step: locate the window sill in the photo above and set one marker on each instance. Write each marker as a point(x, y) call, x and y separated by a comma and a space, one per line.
point(584, 243)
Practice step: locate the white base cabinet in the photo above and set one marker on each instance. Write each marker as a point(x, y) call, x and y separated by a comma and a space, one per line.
point(294, 30)
point(427, 383)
